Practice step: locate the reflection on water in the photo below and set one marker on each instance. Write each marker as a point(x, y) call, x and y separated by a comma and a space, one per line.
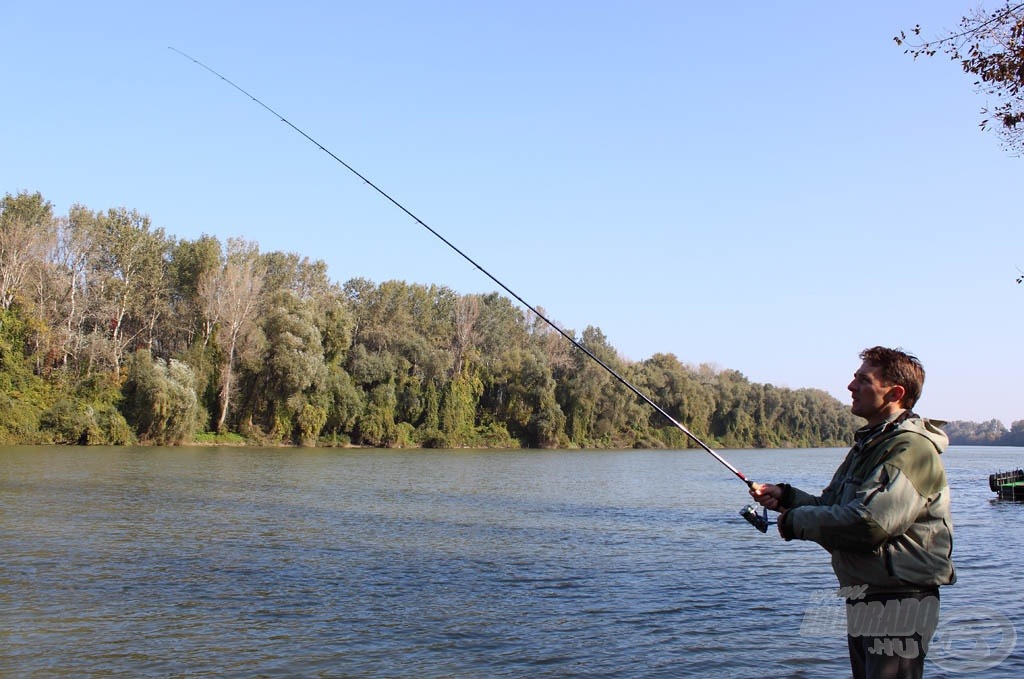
point(246, 562)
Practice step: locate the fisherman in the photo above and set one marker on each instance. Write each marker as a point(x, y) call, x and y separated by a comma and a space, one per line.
point(884, 518)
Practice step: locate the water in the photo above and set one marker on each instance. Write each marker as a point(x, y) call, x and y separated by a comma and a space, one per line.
point(244, 562)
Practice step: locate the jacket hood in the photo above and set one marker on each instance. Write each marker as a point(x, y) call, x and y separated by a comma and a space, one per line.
point(928, 429)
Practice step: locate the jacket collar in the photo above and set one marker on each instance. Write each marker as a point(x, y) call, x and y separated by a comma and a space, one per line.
point(868, 433)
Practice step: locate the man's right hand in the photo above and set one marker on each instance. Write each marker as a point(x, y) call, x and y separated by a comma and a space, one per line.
point(767, 495)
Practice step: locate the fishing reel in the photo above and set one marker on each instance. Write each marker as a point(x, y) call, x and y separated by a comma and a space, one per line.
point(758, 521)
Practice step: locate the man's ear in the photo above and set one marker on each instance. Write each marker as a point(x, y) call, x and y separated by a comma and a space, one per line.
point(896, 393)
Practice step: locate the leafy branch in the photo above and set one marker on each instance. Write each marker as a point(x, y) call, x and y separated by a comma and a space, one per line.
point(989, 46)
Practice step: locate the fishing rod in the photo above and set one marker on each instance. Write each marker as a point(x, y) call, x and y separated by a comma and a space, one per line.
point(749, 512)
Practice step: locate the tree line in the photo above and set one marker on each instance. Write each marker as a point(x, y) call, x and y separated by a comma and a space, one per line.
point(990, 433)
point(114, 332)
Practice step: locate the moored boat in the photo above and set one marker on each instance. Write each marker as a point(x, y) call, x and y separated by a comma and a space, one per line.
point(1008, 485)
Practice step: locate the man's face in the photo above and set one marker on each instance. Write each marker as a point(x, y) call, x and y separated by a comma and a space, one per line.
point(872, 399)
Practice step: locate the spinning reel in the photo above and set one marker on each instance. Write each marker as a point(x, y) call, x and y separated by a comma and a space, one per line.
point(758, 521)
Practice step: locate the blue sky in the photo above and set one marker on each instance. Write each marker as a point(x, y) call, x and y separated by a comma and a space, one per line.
point(763, 186)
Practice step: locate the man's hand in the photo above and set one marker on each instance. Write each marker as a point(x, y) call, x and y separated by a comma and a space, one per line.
point(767, 495)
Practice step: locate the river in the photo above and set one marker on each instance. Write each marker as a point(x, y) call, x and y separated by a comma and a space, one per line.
point(243, 562)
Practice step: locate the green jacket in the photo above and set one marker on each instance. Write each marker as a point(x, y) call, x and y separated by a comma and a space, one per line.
point(885, 516)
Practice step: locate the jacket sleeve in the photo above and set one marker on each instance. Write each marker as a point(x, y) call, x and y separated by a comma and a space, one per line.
point(885, 504)
point(794, 497)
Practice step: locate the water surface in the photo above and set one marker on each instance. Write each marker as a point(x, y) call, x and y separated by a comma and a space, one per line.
point(280, 562)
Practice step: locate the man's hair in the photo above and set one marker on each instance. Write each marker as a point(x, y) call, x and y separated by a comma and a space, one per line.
point(897, 367)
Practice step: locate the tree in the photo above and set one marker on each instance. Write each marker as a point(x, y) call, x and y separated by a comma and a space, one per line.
point(109, 330)
point(458, 408)
point(64, 290)
point(376, 426)
point(190, 262)
point(989, 46)
point(27, 232)
point(230, 295)
point(129, 265)
point(531, 409)
point(678, 390)
point(598, 409)
point(292, 371)
point(464, 343)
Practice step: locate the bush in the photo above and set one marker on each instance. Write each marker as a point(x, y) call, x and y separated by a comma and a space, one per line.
point(213, 438)
point(71, 421)
point(160, 400)
point(311, 421)
point(19, 421)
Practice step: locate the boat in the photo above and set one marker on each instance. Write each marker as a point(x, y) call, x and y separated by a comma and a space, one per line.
point(1008, 485)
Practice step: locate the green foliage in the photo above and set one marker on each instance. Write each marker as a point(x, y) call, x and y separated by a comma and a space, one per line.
point(19, 421)
point(70, 422)
point(458, 409)
point(89, 415)
point(431, 408)
point(160, 400)
point(215, 439)
point(495, 435)
point(96, 400)
point(77, 422)
point(311, 421)
point(376, 426)
point(347, 402)
point(128, 333)
point(189, 263)
point(405, 436)
point(23, 395)
point(203, 360)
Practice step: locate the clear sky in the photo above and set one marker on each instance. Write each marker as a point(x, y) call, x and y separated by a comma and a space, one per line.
point(764, 186)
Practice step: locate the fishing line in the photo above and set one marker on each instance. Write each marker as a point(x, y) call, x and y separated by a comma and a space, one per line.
point(679, 425)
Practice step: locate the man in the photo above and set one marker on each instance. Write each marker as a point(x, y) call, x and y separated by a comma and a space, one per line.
point(884, 518)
